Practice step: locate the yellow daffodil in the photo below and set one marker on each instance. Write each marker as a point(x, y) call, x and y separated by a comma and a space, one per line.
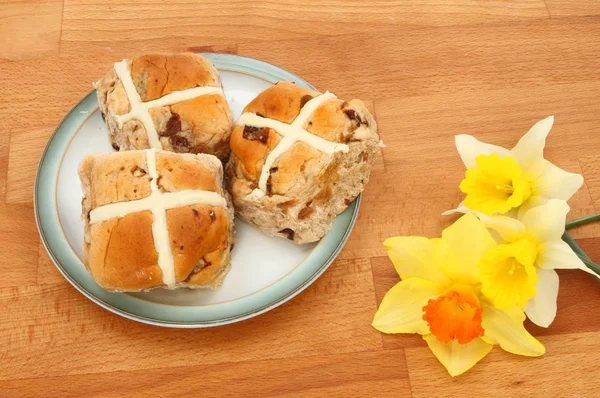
point(520, 271)
point(500, 181)
point(440, 298)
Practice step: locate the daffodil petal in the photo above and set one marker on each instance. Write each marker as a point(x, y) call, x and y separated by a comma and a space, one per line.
point(401, 310)
point(461, 247)
point(547, 222)
point(532, 202)
point(558, 255)
point(414, 256)
point(505, 327)
point(529, 151)
point(556, 183)
point(541, 309)
point(470, 147)
point(461, 208)
point(458, 358)
point(506, 227)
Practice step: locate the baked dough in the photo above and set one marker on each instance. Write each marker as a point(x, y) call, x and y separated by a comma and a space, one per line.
point(155, 219)
point(298, 159)
point(179, 95)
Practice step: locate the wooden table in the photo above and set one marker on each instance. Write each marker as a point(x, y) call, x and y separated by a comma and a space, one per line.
point(430, 70)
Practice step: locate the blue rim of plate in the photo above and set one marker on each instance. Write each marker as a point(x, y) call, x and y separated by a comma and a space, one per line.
point(70, 266)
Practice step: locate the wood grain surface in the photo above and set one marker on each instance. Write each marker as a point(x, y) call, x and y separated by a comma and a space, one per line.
point(430, 69)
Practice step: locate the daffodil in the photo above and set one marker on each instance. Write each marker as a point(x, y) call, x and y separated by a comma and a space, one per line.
point(500, 181)
point(440, 298)
point(520, 271)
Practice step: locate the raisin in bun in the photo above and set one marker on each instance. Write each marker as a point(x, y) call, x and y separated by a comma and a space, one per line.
point(155, 219)
point(183, 96)
point(298, 159)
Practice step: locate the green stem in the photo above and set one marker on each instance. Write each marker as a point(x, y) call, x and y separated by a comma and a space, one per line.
point(579, 251)
point(592, 265)
point(584, 220)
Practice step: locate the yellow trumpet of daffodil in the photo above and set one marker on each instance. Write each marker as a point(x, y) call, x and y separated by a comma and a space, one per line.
point(501, 181)
point(520, 271)
point(440, 298)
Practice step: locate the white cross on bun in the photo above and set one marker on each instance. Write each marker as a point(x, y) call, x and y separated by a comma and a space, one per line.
point(133, 251)
point(193, 122)
point(309, 181)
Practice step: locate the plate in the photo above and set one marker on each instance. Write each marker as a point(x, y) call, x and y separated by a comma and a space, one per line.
point(265, 272)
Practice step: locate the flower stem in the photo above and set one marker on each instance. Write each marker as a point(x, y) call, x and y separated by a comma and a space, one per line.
point(582, 221)
point(579, 251)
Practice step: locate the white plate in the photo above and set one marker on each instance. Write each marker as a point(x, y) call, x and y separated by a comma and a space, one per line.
point(265, 271)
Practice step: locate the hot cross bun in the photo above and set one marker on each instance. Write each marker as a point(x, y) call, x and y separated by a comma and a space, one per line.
point(195, 120)
point(155, 219)
point(298, 159)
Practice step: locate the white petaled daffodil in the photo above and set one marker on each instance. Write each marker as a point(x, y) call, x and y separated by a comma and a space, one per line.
point(440, 298)
point(502, 181)
point(520, 270)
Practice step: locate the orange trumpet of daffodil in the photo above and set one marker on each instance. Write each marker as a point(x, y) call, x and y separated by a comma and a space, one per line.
point(440, 298)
